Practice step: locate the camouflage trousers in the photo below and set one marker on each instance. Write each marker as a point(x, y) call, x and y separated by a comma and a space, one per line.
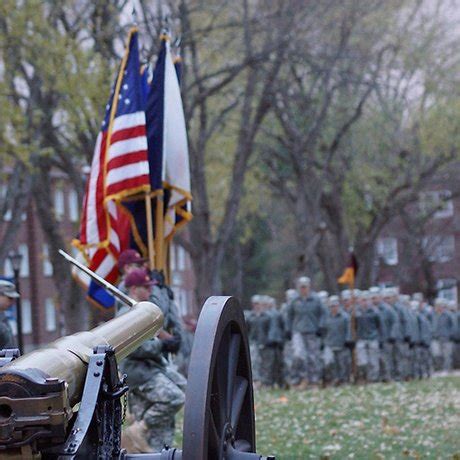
point(401, 361)
point(442, 352)
point(287, 360)
point(271, 362)
point(256, 361)
point(367, 359)
point(156, 402)
point(456, 355)
point(307, 360)
point(447, 348)
point(336, 365)
point(426, 362)
point(386, 362)
point(419, 363)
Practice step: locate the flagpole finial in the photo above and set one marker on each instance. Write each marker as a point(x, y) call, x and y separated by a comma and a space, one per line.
point(176, 45)
point(134, 16)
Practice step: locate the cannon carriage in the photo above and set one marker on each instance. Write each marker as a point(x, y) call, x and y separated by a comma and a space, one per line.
point(66, 401)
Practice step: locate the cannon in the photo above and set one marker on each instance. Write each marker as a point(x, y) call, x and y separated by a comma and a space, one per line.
point(65, 401)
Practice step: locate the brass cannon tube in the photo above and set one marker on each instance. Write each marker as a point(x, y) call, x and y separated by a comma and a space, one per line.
point(66, 358)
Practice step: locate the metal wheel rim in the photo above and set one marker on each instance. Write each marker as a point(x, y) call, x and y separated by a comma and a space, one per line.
point(219, 406)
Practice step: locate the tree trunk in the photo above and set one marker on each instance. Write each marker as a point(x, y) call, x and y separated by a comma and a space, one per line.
point(71, 302)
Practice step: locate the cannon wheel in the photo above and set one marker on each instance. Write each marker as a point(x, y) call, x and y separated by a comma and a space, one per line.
point(219, 405)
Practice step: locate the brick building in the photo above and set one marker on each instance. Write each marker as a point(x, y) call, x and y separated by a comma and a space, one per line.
point(42, 321)
point(420, 250)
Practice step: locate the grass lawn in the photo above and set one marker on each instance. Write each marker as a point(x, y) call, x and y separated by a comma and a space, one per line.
point(380, 421)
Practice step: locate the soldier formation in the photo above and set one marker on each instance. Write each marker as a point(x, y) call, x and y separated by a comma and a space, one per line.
point(360, 336)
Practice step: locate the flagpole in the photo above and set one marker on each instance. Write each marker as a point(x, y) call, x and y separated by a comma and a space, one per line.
point(151, 246)
point(168, 263)
point(353, 333)
point(159, 231)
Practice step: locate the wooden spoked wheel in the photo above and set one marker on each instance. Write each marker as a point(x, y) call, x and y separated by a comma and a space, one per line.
point(219, 407)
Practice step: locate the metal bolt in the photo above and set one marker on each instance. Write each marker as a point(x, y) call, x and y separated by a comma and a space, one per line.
point(97, 374)
point(99, 363)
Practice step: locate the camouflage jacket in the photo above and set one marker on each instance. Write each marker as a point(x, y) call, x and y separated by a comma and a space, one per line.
point(444, 326)
point(338, 330)
point(368, 324)
point(6, 334)
point(307, 316)
point(425, 329)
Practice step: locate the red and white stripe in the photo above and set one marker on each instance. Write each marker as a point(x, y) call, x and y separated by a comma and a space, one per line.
point(103, 227)
point(127, 162)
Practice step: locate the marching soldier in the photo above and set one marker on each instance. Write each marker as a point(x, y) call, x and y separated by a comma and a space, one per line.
point(156, 390)
point(456, 353)
point(368, 329)
point(426, 335)
point(276, 342)
point(306, 316)
point(443, 333)
point(401, 338)
point(337, 339)
point(416, 364)
point(412, 334)
point(387, 340)
point(347, 301)
point(288, 353)
point(253, 325)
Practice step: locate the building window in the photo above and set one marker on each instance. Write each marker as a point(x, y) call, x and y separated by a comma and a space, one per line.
point(7, 216)
point(180, 297)
point(26, 316)
point(50, 315)
point(180, 258)
point(172, 256)
point(438, 202)
point(24, 250)
point(447, 289)
point(47, 265)
point(24, 269)
point(74, 213)
point(387, 249)
point(59, 203)
point(439, 248)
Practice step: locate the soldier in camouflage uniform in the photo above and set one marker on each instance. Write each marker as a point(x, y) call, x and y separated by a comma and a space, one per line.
point(337, 340)
point(416, 364)
point(8, 296)
point(368, 331)
point(162, 295)
point(268, 338)
point(426, 332)
point(156, 390)
point(290, 294)
point(414, 334)
point(456, 353)
point(305, 317)
point(387, 339)
point(401, 338)
point(275, 341)
point(347, 304)
point(443, 334)
point(252, 324)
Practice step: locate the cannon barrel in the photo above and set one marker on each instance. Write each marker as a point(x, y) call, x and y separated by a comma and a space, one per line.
point(65, 358)
point(39, 389)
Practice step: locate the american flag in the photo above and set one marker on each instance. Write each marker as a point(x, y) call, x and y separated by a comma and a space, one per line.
point(119, 168)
